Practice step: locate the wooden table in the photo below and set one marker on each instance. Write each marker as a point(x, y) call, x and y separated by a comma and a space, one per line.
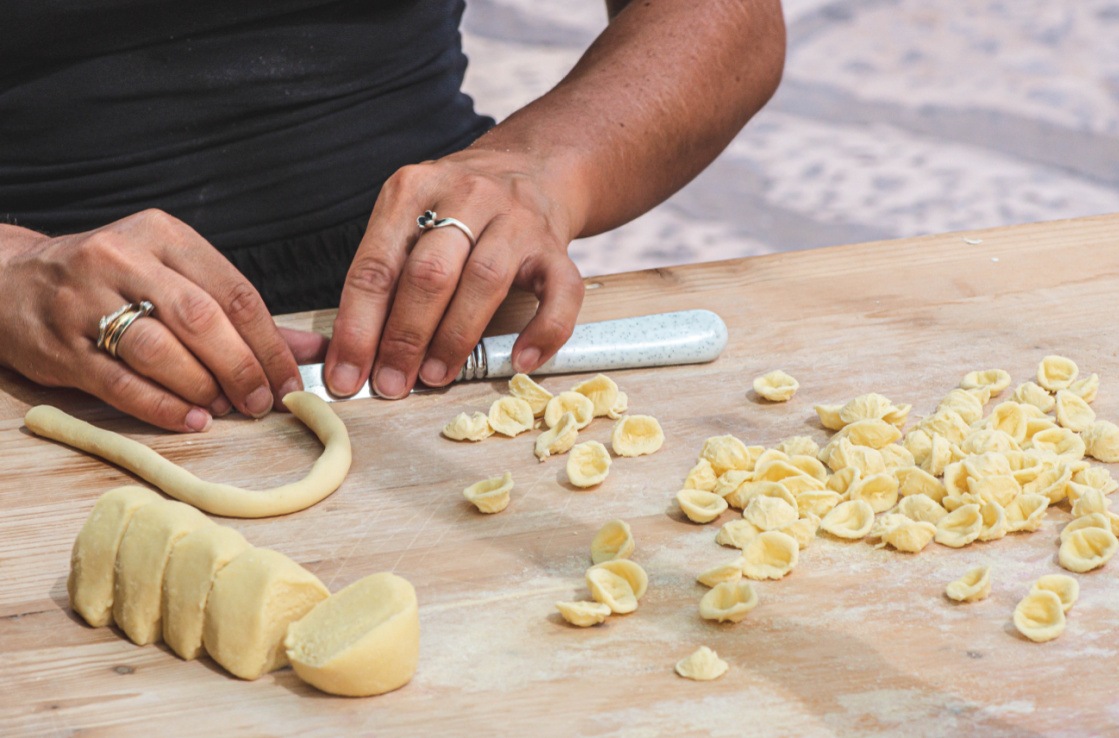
point(856, 641)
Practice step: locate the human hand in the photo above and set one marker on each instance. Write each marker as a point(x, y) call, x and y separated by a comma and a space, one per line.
point(416, 302)
point(209, 343)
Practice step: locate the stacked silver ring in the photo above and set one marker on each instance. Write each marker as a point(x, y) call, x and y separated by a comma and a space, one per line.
point(429, 220)
point(112, 326)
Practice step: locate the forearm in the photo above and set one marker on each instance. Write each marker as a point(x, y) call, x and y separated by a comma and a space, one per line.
point(652, 102)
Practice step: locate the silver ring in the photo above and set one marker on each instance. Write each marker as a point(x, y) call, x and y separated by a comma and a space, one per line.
point(111, 328)
point(429, 220)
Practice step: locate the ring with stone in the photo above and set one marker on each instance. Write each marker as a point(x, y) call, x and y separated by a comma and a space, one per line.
point(112, 326)
point(429, 221)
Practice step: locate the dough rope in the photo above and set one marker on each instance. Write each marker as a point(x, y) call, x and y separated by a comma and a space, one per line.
point(326, 474)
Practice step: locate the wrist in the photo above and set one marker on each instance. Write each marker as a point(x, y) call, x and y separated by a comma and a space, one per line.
point(15, 240)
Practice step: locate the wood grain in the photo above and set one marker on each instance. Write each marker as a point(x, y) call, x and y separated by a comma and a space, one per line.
point(855, 641)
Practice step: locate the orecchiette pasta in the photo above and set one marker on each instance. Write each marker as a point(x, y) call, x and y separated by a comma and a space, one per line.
point(963, 403)
point(1101, 441)
point(465, 427)
point(829, 416)
point(728, 602)
point(1087, 548)
point(1094, 520)
point(727, 452)
point(728, 572)
point(583, 614)
point(510, 416)
point(914, 480)
point(777, 386)
point(1026, 513)
point(523, 386)
point(851, 519)
point(1056, 373)
point(770, 555)
point(880, 491)
point(490, 495)
point(614, 540)
point(921, 507)
point(703, 665)
point(994, 521)
point(588, 464)
point(974, 585)
point(910, 536)
point(558, 439)
point(602, 392)
point(1039, 616)
point(994, 380)
point(1072, 412)
point(1031, 393)
point(580, 406)
point(611, 590)
point(803, 530)
point(1090, 501)
point(817, 502)
point(700, 506)
point(636, 435)
point(770, 513)
point(1096, 477)
point(628, 570)
point(702, 476)
point(1065, 587)
point(736, 533)
point(960, 527)
point(621, 406)
point(1086, 388)
point(799, 446)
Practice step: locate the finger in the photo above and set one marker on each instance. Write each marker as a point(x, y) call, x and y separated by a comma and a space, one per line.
point(486, 278)
point(152, 351)
point(427, 284)
point(124, 389)
point(307, 347)
point(559, 287)
point(371, 280)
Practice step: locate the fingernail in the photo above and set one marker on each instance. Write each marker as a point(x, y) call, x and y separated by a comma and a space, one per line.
point(527, 360)
point(198, 420)
point(433, 371)
point(221, 407)
point(389, 383)
point(259, 402)
point(343, 379)
point(292, 385)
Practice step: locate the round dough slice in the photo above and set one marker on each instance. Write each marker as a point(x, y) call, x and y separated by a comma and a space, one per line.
point(195, 561)
point(362, 641)
point(141, 562)
point(326, 474)
point(254, 599)
point(93, 558)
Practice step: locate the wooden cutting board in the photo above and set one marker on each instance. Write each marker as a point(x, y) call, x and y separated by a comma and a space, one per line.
point(856, 641)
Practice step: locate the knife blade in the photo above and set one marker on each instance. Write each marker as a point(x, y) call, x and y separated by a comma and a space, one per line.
point(662, 339)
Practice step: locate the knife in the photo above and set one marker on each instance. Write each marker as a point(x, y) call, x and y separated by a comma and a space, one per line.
point(663, 339)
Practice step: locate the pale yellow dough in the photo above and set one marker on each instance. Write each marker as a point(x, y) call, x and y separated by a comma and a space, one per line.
point(1039, 616)
point(510, 416)
point(770, 555)
point(614, 540)
point(465, 427)
point(777, 386)
point(702, 665)
point(636, 435)
point(960, 527)
point(588, 464)
point(700, 506)
point(490, 495)
point(93, 558)
point(558, 439)
point(1056, 373)
point(602, 391)
point(195, 561)
point(141, 561)
point(851, 519)
point(583, 614)
point(973, 586)
point(523, 386)
point(728, 602)
point(1087, 548)
point(326, 474)
point(1065, 587)
point(728, 572)
point(253, 600)
point(363, 640)
point(579, 405)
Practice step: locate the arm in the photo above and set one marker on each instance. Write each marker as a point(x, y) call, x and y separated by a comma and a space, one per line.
point(657, 96)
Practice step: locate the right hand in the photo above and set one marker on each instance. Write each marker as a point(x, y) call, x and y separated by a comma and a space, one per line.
point(209, 343)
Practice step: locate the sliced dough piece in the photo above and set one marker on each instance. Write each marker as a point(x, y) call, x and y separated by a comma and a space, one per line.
point(510, 416)
point(490, 495)
point(558, 439)
point(636, 435)
point(728, 572)
point(728, 602)
point(736, 533)
point(154, 530)
point(910, 536)
point(588, 464)
point(326, 474)
point(1039, 616)
point(614, 540)
point(465, 427)
point(702, 665)
point(1086, 549)
point(851, 520)
point(195, 561)
point(602, 392)
point(1073, 413)
point(1065, 587)
point(253, 600)
point(960, 527)
point(578, 405)
point(777, 386)
point(1056, 373)
point(700, 506)
point(770, 513)
point(361, 641)
point(973, 586)
point(93, 558)
point(770, 555)
point(523, 386)
point(1026, 513)
point(582, 613)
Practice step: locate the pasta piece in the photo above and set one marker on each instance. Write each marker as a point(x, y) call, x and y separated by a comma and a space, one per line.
point(777, 386)
point(963, 403)
point(588, 464)
point(873, 432)
point(523, 386)
point(817, 502)
point(1090, 501)
point(1031, 393)
point(1051, 483)
point(1065, 587)
point(700, 506)
point(921, 507)
point(490, 495)
point(614, 540)
point(914, 480)
point(871, 406)
point(702, 476)
point(728, 572)
point(1086, 388)
point(1039, 616)
point(727, 452)
point(989, 464)
point(995, 380)
point(880, 491)
point(973, 586)
point(1073, 413)
point(841, 481)
point(960, 527)
point(558, 439)
point(1101, 441)
point(582, 613)
point(1095, 520)
point(628, 570)
point(465, 427)
point(736, 533)
point(620, 407)
point(898, 415)
point(1000, 489)
point(770, 513)
point(852, 519)
point(1060, 441)
point(580, 406)
point(1010, 418)
point(1056, 373)
point(829, 416)
point(702, 665)
point(994, 521)
point(896, 457)
point(799, 446)
point(845, 454)
point(810, 466)
point(611, 590)
point(1026, 513)
point(636, 435)
point(910, 536)
point(510, 416)
point(988, 440)
point(803, 530)
point(728, 602)
point(602, 392)
point(939, 456)
point(1096, 477)
point(884, 523)
point(738, 488)
point(1087, 549)
point(771, 555)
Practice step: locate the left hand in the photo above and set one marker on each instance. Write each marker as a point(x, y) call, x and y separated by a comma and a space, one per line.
point(415, 302)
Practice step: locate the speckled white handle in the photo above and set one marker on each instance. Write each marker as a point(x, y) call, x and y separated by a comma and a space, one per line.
point(685, 337)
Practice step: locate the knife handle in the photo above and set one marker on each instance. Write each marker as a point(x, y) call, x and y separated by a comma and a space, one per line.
point(665, 339)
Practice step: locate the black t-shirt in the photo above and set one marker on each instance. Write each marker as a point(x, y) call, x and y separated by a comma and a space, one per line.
point(255, 122)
